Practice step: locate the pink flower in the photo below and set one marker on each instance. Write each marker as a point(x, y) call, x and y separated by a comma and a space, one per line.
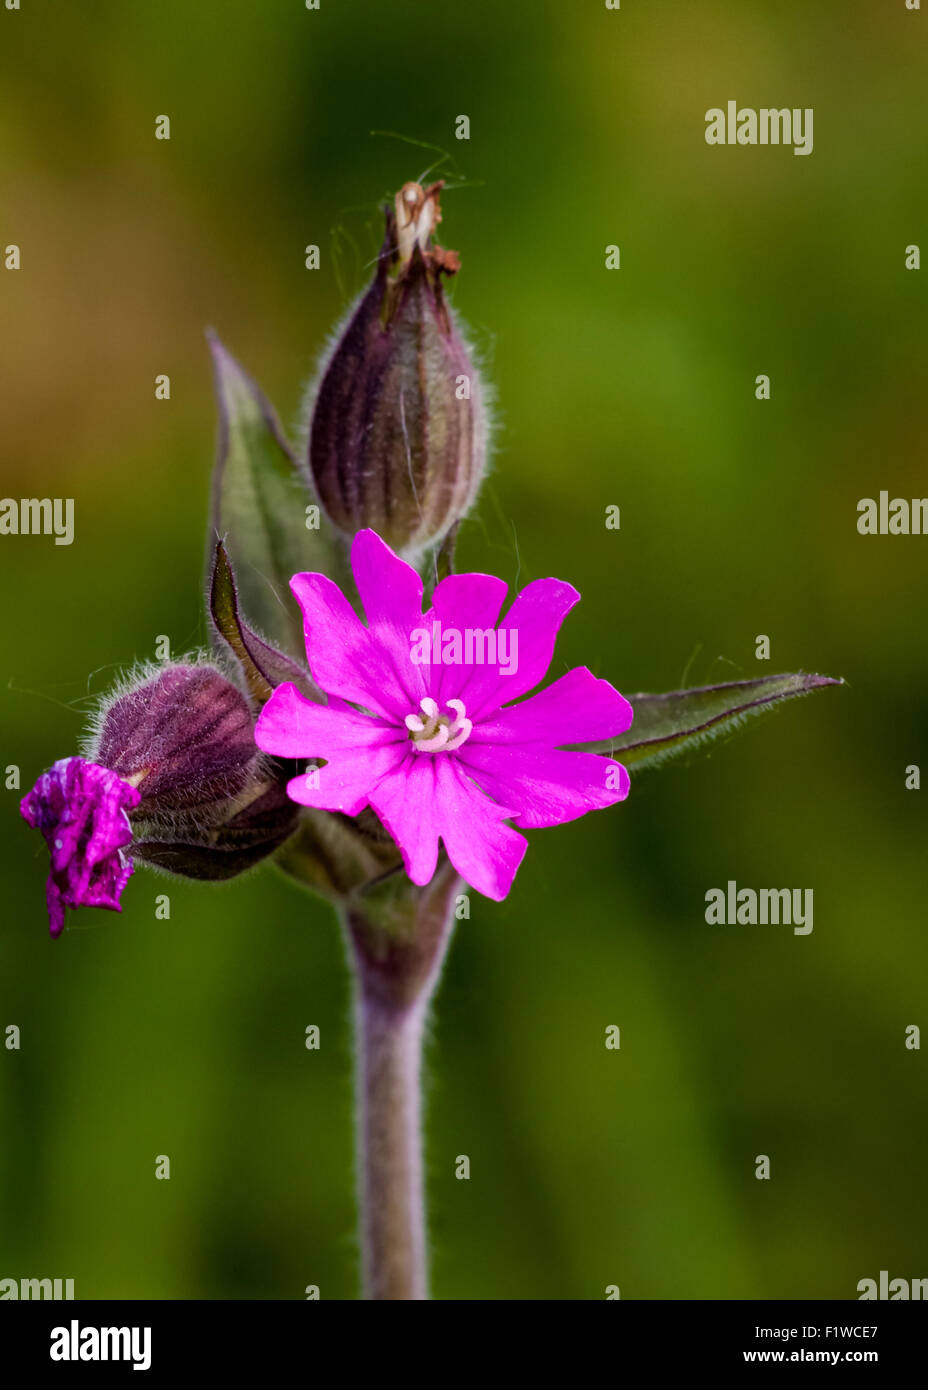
point(420, 723)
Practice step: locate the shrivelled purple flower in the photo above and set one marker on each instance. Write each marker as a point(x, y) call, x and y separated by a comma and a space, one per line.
point(420, 724)
point(398, 434)
point(81, 809)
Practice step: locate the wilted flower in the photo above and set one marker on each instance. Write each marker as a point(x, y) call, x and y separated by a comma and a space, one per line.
point(398, 435)
point(81, 809)
point(174, 772)
point(430, 740)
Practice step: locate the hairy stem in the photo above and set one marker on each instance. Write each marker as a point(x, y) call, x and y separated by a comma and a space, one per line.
point(389, 1148)
point(398, 943)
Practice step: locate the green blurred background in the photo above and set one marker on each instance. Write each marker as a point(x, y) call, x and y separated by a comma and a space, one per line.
point(636, 388)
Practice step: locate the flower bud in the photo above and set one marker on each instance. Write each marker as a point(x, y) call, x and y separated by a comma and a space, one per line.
point(209, 804)
point(398, 436)
point(174, 776)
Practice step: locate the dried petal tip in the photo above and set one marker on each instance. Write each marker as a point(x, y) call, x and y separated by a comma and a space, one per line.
point(81, 809)
point(417, 211)
point(398, 435)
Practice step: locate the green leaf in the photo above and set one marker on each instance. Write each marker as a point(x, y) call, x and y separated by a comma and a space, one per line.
point(259, 507)
point(262, 666)
point(682, 719)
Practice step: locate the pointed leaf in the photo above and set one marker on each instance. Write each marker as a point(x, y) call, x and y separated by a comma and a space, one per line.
point(259, 506)
point(681, 719)
point(262, 666)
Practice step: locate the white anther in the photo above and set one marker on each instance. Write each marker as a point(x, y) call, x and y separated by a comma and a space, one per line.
point(458, 707)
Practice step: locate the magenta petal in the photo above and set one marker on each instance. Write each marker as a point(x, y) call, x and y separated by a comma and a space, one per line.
point(461, 602)
point(344, 657)
point(391, 592)
point(55, 902)
point(469, 600)
point(483, 849)
point(577, 708)
point(536, 616)
point(346, 783)
point(81, 810)
point(406, 805)
point(545, 786)
point(389, 588)
point(291, 726)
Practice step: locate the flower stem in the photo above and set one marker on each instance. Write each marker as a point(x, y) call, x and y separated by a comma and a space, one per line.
point(389, 1148)
point(398, 942)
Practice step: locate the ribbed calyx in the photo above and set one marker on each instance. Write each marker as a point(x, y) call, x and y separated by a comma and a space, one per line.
point(398, 433)
point(210, 805)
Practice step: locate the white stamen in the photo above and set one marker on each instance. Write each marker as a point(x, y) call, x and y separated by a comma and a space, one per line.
point(458, 707)
point(460, 735)
point(436, 732)
point(434, 744)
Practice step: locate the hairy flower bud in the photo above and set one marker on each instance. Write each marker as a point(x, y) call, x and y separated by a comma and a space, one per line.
point(209, 804)
point(398, 436)
point(183, 738)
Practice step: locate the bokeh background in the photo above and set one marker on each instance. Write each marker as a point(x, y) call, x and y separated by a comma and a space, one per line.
point(636, 388)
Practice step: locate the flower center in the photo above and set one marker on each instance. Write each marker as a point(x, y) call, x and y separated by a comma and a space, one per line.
point(432, 732)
